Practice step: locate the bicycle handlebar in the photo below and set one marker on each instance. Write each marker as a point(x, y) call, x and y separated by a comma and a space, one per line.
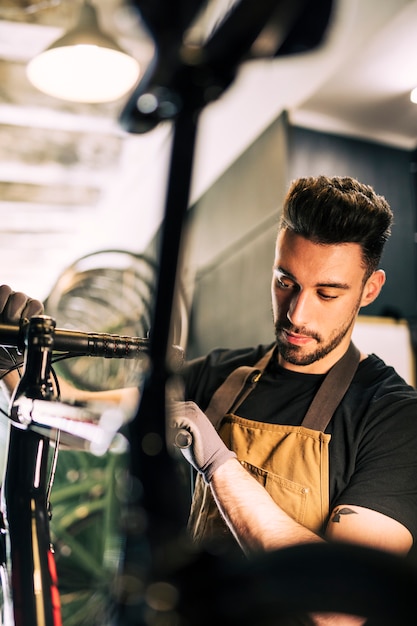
point(81, 343)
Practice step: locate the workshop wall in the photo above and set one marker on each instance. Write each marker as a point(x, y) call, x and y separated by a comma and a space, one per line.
point(233, 226)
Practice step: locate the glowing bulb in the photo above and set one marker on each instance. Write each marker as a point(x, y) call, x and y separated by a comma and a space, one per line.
point(83, 73)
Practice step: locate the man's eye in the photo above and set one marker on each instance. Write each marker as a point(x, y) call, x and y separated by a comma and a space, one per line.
point(282, 284)
point(327, 296)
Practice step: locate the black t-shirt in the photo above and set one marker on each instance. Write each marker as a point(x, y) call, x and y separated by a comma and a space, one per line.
point(373, 446)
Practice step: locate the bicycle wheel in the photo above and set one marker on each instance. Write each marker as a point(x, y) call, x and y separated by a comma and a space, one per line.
point(109, 291)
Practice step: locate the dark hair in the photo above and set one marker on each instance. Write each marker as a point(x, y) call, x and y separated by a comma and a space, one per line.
point(339, 210)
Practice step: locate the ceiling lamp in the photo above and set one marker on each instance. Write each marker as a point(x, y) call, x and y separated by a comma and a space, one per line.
point(85, 65)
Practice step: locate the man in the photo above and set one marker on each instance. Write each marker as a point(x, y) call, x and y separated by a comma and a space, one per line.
point(270, 481)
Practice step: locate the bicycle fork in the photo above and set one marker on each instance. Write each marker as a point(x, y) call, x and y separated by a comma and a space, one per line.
point(32, 572)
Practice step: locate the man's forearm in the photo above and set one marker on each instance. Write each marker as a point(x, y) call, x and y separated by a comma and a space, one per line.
point(259, 524)
point(127, 397)
point(9, 382)
point(253, 517)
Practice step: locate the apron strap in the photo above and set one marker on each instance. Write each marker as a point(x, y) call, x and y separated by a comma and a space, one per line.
point(235, 388)
point(332, 390)
point(242, 380)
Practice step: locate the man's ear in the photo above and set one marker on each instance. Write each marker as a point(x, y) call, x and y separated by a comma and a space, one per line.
point(373, 287)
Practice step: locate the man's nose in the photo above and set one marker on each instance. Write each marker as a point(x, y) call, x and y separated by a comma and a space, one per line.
point(299, 309)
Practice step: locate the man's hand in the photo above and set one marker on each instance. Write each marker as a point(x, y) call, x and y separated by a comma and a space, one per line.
point(14, 307)
point(203, 448)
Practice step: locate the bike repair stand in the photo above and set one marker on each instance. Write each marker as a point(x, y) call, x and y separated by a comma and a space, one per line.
point(182, 80)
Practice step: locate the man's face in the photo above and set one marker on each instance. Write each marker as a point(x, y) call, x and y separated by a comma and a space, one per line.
point(317, 291)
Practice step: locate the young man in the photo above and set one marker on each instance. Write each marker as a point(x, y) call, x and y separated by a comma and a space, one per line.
point(272, 479)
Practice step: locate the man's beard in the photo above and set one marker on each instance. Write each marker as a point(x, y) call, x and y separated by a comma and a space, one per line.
point(294, 354)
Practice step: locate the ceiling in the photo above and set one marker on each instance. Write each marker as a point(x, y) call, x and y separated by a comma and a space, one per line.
point(73, 182)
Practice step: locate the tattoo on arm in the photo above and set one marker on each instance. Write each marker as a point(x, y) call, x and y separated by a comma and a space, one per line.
point(344, 510)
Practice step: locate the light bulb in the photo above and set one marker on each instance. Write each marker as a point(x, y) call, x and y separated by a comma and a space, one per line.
point(85, 65)
point(84, 73)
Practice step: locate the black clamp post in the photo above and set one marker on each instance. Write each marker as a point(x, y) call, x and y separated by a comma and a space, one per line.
point(186, 74)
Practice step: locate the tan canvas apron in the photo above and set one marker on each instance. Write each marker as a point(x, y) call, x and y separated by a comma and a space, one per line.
point(291, 462)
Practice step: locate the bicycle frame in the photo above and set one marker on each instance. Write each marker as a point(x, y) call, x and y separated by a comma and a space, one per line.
point(27, 569)
point(35, 597)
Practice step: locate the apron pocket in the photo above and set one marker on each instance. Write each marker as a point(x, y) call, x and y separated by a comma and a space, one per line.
point(290, 496)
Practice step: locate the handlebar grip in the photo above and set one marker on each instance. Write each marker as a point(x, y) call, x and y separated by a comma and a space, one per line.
point(109, 346)
point(100, 344)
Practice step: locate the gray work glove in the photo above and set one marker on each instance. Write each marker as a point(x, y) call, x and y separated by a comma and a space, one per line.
point(14, 307)
point(197, 438)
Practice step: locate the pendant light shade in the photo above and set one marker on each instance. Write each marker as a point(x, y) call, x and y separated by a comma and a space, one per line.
point(85, 65)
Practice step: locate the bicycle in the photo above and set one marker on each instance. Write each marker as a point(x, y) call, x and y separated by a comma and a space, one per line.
point(39, 425)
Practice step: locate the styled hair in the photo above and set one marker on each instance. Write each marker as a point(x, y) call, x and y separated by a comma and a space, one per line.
point(339, 210)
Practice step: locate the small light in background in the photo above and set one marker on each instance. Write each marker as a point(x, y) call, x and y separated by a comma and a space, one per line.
point(85, 65)
point(413, 95)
